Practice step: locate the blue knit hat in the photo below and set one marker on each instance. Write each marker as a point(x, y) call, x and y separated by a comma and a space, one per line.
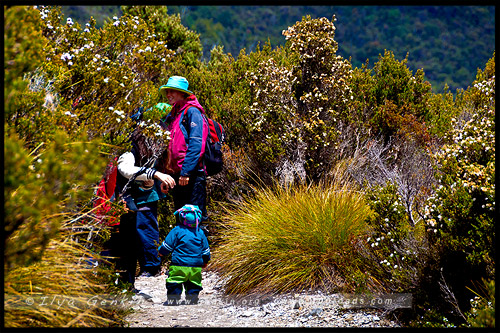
point(189, 215)
point(177, 83)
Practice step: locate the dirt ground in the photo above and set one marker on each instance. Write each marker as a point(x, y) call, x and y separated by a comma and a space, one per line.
point(216, 310)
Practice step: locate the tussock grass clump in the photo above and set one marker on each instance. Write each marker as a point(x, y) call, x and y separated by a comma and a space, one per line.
point(296, 237)
point(63, 289)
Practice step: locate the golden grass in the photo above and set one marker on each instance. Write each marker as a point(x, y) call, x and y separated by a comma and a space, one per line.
point(56, 291)
point(292, 238)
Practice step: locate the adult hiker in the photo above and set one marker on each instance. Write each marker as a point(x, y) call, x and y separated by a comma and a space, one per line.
point(189, 133)
point(141, 185)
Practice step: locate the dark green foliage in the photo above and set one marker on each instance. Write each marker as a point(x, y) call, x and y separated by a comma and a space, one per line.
point(390, 100)
point(44, 187)
point(448, 42)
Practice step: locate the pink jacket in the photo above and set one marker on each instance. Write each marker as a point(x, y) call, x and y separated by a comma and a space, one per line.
point(189, 133)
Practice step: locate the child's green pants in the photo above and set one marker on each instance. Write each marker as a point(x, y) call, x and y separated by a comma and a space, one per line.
point(189, 277)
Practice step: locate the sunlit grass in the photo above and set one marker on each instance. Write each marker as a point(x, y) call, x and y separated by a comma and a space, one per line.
point(62, 275)
point(293, 238)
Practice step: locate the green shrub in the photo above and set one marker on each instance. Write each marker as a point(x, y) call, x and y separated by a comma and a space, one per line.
point(482, 312)
point(23, 52)
point(395, 244)
point(390, 99)
point(460, 216)
point(42, 188)
point(294, 238)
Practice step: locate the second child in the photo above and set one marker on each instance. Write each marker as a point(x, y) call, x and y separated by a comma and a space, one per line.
point(190, 252)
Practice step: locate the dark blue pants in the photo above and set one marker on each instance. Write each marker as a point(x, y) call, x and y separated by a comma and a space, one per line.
point(149, 237)
point(194, 193)
point(138, 240)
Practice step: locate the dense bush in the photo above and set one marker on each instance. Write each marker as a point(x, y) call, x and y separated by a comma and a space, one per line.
point(389, 99)
point(460, 216)
point(44, 187)
point(395, 244)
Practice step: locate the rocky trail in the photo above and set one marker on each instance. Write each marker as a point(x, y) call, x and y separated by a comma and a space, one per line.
point(215, 310)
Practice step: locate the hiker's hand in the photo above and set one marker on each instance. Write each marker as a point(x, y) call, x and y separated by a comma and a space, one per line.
point(164, 188)
point(167, 182)
point(125, 208)
point(183, 180)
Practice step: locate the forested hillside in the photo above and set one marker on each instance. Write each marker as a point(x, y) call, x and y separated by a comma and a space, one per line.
point(448, 42)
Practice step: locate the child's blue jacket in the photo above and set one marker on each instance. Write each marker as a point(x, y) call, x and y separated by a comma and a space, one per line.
point(189, 246)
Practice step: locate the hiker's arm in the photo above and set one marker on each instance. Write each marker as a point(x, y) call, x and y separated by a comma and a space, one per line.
point(168, 244)
point(195, 143)
point(127, 168)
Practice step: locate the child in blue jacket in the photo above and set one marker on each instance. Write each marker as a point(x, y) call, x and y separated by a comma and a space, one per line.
point(190, 252)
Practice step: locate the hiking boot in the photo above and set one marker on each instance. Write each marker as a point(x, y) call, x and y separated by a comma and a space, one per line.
point(172, 301)
point(191, 299)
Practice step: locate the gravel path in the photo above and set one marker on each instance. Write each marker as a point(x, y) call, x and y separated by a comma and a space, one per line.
point(214, 310)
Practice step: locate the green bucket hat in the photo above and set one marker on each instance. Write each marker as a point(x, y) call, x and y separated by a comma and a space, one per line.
point(177, 83)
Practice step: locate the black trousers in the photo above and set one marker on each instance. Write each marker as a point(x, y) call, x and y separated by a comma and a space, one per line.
point(194, 193)
point(138, 239)
point(128, 247)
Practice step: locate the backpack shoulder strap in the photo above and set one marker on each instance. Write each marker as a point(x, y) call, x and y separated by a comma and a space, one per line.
point(183, 120)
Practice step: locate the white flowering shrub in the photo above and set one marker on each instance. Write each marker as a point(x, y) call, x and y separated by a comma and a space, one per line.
point(272, 122)
point(394, 244)
point(298, 94)
point(322, 89)
point(460, 216)
point(93, 79)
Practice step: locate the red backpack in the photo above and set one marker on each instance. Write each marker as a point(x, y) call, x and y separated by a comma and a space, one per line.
point(213, 149)
point(213, 156)
point(105, 194)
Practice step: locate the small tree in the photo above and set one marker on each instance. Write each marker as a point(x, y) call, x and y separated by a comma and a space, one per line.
point(298, 95)
point(390, 99)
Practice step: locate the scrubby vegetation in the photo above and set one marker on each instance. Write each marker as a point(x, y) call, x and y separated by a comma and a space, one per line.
point(336, 177)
